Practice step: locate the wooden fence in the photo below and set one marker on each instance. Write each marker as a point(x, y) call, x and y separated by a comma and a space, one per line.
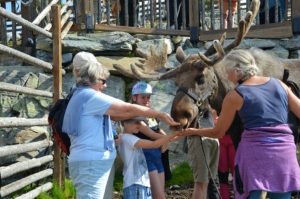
point(151, 17)
point(58, 158)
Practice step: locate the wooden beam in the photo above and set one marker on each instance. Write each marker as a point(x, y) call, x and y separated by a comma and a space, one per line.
point(27, 58)
point(134, 30)
point(59, 157)
point(23, 166)
point(12, 122)
point(23, 22)
point(66, 29)
point(24, 90)
point(36, 192)
point(43, 14)
point(17, 185)
point(23, 148)
point(295, 6)
point(278, 30)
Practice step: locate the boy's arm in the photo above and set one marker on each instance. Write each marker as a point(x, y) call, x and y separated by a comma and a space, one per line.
point(147, 144)
point(149, 132)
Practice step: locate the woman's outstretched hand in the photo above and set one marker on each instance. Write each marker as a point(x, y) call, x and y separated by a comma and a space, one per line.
point(169, 120)
point(188, 132)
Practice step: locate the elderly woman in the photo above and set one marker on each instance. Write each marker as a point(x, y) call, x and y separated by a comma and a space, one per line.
point(88, 123)
point(265, 159)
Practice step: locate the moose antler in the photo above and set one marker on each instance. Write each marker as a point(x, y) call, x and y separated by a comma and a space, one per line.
point(243, 28)
point(150, 63)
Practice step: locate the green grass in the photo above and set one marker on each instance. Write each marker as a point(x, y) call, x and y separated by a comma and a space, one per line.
point(182, 175)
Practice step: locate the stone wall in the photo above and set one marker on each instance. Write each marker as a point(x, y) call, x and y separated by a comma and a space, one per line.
point(109, 48)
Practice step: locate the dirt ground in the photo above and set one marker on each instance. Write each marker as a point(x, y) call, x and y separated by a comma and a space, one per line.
point(185, 192)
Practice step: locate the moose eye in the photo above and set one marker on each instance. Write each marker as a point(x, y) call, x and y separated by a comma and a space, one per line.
point(200, 79)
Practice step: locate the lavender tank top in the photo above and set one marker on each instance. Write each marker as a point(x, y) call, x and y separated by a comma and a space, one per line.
point(264, 105)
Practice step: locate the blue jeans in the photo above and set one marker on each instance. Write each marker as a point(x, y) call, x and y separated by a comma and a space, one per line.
point(137, 191)
point(90, 178)
point(272, 195)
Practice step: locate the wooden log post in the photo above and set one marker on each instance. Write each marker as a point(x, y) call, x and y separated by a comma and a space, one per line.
point(43, 14)
point(3, 27)
point(144, 15)
point(66, 29)
point(28, 14)
point(23, 148)
point(65, 17)
point(24, 90)
point(152, 14)
point(36, 192)
point(212, 15)
point(221, 6)
point(194, 16)
point(14, 32)
point(295, 5)
point(24, 165)
point(88, 8)
point(63, 9)
point(183, 15)
point(168, 13)
point(24, 23)
point(27, 58)
point(202, 14)
point(59, 157)
point(15, 186)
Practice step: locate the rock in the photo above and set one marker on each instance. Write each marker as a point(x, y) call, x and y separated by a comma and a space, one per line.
point(48, 57)
point(97, 42)
point(291, 44)
point(174, 187)
point(247, 43)
point(158, 45)
point(172, 61)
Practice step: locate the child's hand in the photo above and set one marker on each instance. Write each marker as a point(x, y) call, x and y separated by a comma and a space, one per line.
point(118, 140)
point(175, 139)
point(164, 147)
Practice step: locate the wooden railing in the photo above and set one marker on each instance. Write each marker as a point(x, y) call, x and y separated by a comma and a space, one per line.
point(151, 17)
point(58, 170)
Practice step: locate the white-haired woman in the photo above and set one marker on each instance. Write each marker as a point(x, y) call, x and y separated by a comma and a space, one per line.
point(265, 159)
point(88, 123)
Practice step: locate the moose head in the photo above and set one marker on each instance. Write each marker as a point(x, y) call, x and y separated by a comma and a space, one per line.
point(196, 77)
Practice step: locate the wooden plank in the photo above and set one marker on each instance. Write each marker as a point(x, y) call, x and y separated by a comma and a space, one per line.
point(4, 1)
point(134, 30)
point(27, 13)
point(59, 157)
point(278, 30)
point(295, 6)
point(88, 8)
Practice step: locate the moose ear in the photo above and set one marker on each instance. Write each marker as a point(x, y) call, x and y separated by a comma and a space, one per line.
point(180, 55)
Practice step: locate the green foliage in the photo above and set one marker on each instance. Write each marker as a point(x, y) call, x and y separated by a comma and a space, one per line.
point(128, 80)
point(182, 174)
point(44, 195)
point(118, 182)
point(70, 191)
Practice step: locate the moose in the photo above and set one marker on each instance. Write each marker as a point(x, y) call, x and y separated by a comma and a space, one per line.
point(202, 81)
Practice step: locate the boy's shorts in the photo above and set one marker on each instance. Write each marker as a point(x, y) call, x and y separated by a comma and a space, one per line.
point(137, 191)
point(153, 159)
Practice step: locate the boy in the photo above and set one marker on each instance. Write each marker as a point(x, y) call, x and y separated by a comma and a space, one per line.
point(136, 183)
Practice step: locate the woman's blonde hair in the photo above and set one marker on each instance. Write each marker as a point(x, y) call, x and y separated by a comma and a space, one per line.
point(92, 74)
point(242, 63)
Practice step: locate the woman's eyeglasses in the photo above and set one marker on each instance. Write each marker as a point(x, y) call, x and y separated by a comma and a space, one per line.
point(103, 81)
